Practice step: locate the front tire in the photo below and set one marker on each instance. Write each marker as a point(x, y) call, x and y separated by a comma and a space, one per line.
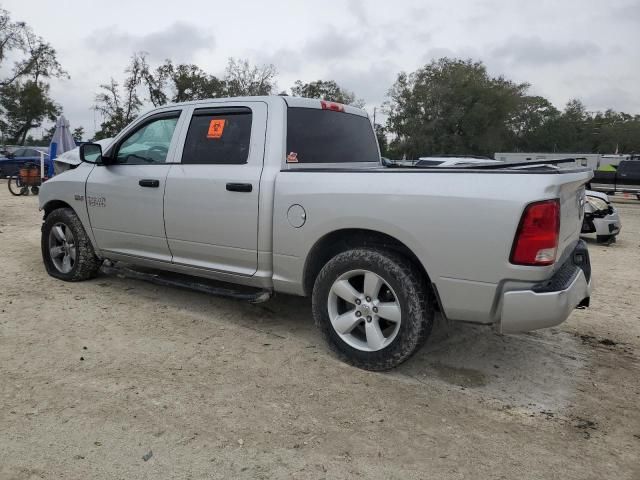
point(373, 307)
point(66, 249)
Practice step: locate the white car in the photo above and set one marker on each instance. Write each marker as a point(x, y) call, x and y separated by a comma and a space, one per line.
point(600, 217)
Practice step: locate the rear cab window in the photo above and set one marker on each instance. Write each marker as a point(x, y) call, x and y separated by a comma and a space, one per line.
point(319, 136)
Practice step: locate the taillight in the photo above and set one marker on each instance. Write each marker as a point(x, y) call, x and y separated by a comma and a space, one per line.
point(536, 241)
point(333, 106)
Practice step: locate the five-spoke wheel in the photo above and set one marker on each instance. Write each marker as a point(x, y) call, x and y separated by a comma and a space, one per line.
point(62, 247)
point(374, 307)
point(364, 310)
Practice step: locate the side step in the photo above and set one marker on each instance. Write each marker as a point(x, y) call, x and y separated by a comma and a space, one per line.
point(171, 279)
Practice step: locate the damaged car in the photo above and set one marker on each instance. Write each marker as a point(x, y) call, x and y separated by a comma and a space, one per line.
point(600, 217)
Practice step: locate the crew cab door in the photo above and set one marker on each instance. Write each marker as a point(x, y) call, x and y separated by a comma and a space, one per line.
point(211, 198)
point(125, 197)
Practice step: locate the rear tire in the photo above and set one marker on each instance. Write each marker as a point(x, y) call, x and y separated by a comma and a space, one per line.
point(67, 251)
point(402, 287)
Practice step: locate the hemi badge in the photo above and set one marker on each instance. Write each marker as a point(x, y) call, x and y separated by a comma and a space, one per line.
point(80, 198)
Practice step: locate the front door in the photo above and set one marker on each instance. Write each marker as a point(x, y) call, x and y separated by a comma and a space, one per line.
point(125, 197)
point(211, 199)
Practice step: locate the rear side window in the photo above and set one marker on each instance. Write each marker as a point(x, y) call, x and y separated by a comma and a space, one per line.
point(218, 137)
point(325, 136)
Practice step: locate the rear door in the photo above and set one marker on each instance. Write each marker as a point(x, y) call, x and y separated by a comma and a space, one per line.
point(211, 197)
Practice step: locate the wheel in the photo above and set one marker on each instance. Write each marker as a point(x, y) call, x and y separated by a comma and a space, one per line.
point(66, 249)
point(373, 307)
point(35, 190)
point(15, 186)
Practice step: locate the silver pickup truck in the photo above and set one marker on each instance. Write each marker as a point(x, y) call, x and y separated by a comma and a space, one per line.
point(288, 195)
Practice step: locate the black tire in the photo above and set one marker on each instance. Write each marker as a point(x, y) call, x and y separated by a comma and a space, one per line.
point(35, 190)
point(86, 264)
point(605, 238)
point(413, 294)
point(15, 186)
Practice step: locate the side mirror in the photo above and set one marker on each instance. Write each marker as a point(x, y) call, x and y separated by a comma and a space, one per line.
point(91, 153)
point(11, 155)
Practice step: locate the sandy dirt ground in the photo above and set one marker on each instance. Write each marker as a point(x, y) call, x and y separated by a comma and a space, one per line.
point(95, 376)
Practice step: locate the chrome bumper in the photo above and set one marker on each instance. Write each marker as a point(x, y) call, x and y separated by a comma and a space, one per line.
point(549, 303)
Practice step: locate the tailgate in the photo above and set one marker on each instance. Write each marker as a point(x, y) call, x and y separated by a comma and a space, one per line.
point(571, 192)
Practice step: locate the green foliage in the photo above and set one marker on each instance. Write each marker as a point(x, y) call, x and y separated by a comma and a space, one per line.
point(381, 136)
point(24, 95)
point(25, 105)
point(78, 134)
point(326, 90)
point(451, 107)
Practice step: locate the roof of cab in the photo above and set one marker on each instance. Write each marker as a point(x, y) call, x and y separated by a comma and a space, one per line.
point(295, 102)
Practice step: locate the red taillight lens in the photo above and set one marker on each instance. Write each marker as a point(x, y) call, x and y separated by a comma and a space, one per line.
point(333, 106)
point(536, 241)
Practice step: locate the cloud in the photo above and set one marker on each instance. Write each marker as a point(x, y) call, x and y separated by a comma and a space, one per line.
point(627, 13)
point(179, 41)
point(358, 10)
point(330, 45)
point(536, 51)
point(613, 97)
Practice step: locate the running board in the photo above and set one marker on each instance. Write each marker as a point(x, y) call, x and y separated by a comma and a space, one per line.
point(170, 279)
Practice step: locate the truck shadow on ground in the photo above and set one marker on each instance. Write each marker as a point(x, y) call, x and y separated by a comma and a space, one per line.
point(537, 370)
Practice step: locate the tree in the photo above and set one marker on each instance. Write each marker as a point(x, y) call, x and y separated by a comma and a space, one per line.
point(25, 105)
point(119, 108)
point(381, 136)
point(326, 90)
point(78, 134)
point(243, 80)
point(24, 95)
point(181, 83)
point(451, 107)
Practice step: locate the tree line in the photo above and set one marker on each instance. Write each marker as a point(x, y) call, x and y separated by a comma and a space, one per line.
point(449, 106)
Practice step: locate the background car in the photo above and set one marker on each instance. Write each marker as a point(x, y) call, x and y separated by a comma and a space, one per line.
point(600, 217)
point(11, 163)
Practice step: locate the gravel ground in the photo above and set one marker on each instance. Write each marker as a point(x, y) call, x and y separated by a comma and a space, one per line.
point(120, 379)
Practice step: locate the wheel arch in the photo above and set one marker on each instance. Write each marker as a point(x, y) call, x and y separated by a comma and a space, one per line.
point(52, 205)
point(337, 241)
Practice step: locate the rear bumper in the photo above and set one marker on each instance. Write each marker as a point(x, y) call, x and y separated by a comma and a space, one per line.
point(551, 302)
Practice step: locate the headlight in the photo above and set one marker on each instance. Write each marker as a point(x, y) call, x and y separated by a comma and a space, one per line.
point(597, 203)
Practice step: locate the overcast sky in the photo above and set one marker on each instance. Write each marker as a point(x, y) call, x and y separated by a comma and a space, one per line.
point(565, 49)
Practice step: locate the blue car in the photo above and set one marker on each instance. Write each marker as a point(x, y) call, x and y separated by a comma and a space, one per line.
point(10, 164)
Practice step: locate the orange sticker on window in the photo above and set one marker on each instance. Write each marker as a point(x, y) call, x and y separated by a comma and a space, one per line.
point(216, 127)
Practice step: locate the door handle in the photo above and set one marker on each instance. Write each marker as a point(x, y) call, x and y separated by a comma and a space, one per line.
point(239, 187)
point(149, 183)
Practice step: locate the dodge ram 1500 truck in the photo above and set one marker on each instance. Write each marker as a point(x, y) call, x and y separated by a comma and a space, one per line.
point(289, 195)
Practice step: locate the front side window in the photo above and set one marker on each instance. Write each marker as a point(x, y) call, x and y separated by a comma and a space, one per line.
point(324, 136)
point(148, 144)
point(218, 137)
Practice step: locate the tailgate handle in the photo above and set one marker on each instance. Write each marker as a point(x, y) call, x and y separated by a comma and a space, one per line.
point(239, 187)
point(149, 183)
